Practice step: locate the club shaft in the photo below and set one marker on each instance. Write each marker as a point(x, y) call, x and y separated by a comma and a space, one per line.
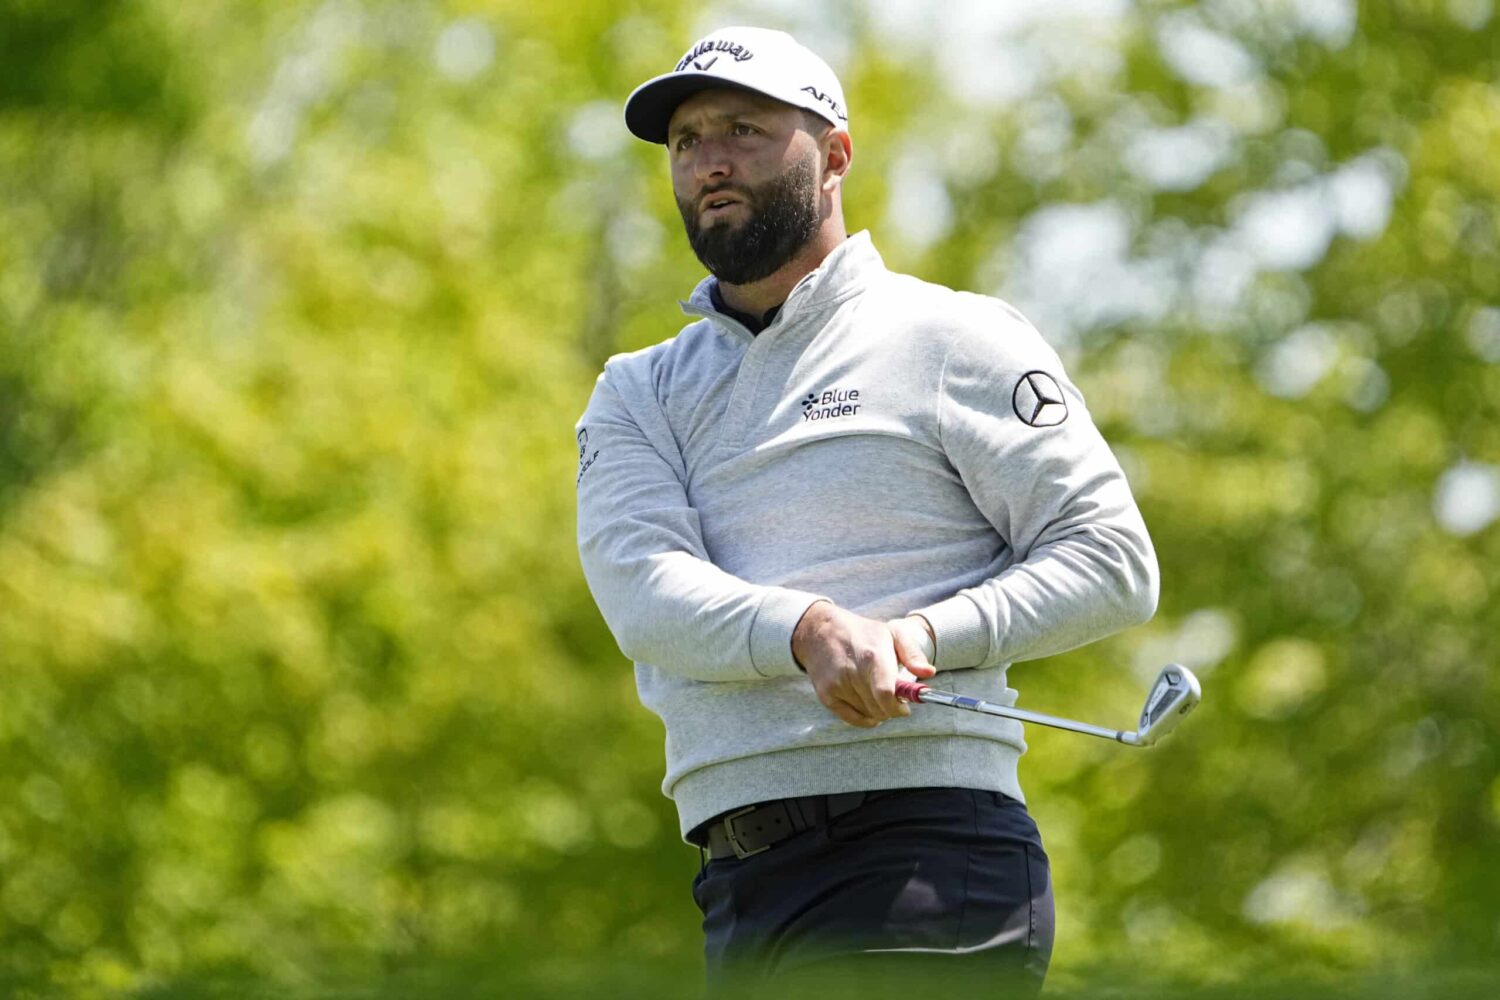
point(935, 697)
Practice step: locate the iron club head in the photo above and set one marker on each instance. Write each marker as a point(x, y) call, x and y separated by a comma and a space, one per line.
point(1175, 694)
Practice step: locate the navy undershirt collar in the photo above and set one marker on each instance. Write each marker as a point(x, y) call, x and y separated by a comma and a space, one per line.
point(751, 323)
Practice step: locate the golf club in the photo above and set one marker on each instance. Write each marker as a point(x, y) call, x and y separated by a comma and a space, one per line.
point(1175, 694)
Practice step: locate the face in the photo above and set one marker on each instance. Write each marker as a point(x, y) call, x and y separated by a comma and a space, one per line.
point(747, 179)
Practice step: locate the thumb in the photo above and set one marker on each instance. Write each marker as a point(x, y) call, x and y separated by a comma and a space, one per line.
point(909, 648)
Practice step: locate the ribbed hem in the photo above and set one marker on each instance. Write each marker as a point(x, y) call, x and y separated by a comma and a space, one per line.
point(771, 634)
point(963, 640)
point(862, 766)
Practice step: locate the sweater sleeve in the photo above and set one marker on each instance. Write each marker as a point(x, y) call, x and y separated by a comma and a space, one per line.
point(1083, 566)
point(641, 546)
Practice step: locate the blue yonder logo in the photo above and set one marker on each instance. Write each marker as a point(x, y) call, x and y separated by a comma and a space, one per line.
point(830, 403)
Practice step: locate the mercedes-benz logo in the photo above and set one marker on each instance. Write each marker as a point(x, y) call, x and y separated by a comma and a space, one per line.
point(1038, 400)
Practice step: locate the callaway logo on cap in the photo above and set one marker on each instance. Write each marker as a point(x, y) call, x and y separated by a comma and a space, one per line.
point(767, 62)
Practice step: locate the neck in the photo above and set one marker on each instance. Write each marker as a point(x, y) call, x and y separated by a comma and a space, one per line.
point(758, 297)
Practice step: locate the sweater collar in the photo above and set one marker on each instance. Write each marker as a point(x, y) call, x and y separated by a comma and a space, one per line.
point(843, 273)
point(752, 323)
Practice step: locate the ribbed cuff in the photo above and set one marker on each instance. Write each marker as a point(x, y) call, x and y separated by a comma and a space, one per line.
point(771, 634)
point(963, 641)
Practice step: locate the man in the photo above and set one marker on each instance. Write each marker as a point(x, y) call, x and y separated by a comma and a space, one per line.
point(837, 473)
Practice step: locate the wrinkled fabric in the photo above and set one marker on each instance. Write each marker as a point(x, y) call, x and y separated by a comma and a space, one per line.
point(933, 887)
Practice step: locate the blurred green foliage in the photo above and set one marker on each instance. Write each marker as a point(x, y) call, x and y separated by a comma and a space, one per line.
point(302, 686)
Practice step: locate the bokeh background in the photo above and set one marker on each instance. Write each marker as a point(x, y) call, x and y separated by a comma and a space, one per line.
point(302, 691)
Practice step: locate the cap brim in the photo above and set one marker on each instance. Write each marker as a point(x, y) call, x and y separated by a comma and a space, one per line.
point(649, 108)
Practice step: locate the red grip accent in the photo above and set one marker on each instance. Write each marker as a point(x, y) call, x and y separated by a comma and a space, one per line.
point(910, 690)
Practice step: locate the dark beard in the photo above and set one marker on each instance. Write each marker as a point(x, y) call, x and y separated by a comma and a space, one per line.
point(783, 218)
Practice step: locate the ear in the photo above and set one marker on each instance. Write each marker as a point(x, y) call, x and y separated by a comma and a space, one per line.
point(838, 151)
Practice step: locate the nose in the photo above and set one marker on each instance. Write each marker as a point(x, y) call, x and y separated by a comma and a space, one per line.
point(713, 161)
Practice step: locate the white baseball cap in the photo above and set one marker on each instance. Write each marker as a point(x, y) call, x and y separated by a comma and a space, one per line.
point(767, 62)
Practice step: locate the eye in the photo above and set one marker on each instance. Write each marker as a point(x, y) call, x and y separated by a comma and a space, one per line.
point(684, 141)
point(741, 128)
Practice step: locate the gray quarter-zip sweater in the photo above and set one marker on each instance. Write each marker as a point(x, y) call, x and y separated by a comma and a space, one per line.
point(886, 443)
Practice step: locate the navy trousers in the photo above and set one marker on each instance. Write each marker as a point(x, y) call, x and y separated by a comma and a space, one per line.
point(921, 889)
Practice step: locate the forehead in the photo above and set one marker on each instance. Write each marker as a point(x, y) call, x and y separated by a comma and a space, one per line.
point(718, 103)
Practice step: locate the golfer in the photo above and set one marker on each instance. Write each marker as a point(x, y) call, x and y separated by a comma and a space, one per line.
point(832, 475)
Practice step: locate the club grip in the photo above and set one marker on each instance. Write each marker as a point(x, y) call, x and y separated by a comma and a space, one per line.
point(910, 690)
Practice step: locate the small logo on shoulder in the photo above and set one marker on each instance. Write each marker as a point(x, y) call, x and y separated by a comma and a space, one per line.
point(584, 458)
point(1038, 400)
point(830, 403)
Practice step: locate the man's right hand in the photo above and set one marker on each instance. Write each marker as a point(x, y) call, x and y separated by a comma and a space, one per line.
point(853, 664)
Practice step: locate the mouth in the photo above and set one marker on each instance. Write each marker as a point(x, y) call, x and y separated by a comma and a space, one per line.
point(718, 204)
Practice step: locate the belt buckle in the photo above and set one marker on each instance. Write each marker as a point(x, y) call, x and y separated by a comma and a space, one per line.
point(734, 842)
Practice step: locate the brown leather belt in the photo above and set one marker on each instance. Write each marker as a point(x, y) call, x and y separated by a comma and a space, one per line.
point(741, 833)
